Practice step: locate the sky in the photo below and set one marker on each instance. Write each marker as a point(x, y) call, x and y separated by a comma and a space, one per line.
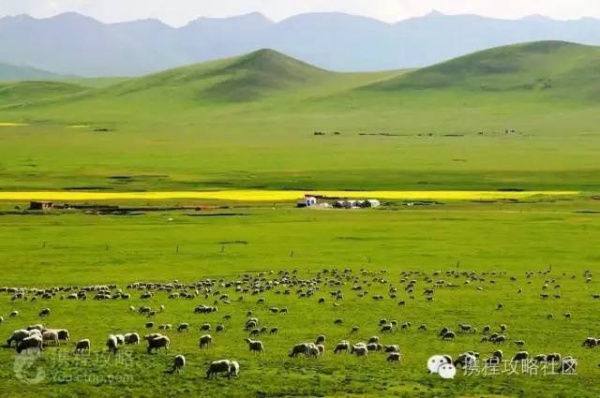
point(179, 12)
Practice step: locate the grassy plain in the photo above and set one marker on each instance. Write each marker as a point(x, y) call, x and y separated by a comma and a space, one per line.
point(508, 239)
point(249, 123)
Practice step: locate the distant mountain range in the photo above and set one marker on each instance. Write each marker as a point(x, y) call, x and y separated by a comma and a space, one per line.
point(15, 72)
point(78, 45)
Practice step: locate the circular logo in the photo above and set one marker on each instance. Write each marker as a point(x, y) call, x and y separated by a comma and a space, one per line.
point(26, 370)
point(447, 371)
point(434, 363)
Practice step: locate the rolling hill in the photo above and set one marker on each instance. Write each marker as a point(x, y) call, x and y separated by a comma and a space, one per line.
point(239, 79)
point(14, 72)
point(26, 92)
point(552, 66)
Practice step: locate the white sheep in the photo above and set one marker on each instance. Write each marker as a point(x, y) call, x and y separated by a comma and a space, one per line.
point(51, 336)
point(112, 344)
point(159, 342)
point(178, 363)
point(82, 346)
point(205, 341)
point(14, 314)
point(255, 346)
point(183, 327)
point(234, 369)
point(17, 336)
point(343, 345)
point(222, 366)
point(32, 343)
point(44, 312)
point(360, 349)
point(132, 338)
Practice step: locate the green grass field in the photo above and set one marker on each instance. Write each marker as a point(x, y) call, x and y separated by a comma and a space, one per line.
point(519, 118)
point(494, 240)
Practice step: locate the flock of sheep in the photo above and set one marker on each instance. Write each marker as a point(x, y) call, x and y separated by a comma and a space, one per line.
point(33, 338)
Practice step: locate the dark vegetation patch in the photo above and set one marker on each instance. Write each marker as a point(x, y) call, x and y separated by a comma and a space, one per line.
point(87, 189)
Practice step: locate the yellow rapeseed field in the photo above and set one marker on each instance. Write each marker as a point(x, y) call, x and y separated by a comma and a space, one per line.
point(276, 196)
point(12, 124)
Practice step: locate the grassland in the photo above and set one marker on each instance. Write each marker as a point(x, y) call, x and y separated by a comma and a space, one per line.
point(507, 239)
point(523, 118)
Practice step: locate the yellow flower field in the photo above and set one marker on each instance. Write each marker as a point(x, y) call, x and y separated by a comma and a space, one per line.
point(276, 196)
point(12, 124)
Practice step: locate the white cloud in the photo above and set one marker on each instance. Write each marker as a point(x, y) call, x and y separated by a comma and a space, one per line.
point(178, 12)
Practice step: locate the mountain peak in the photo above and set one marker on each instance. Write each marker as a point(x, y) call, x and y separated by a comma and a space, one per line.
point(435, 14)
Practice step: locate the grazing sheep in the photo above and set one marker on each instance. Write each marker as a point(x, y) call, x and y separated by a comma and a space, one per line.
point(120, 339)
point(30, 343)
point(590, 342)
point(338, 322)
point(540, 358)
point(205, 341)
point(567, 315)
point(255, 346)
point(159, 342)
point(301, 348)
point(374, 347)
point(14, 314)
point(273, 330)
point(234, 369)
point(520, 356)
point(149, 325)
point(554, 357)
point(178, 363)
point(183, 326)
point(321, 348)
point(82, 346)
point(131, 308)
point(17, 336)
point(391, 348)
point(320, 339)
point(499, 339)
point(51, 336)
point(422, 328)
point(393, 357)
point(220, 328)
point(166, 326)
point(450, 335)
point(112, 344)
point(359, 349)
point(387, 328)
point(519, 343)
point(222, 366)
point(132, 338)
point(343, 345)
point(44, 312)
point(205, 327)
point(466, 360)
point(465, 327)
point(1, 319)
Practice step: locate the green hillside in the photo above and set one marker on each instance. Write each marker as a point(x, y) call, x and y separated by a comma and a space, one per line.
point(552, 66)
point(239, 79)
point(21, 93)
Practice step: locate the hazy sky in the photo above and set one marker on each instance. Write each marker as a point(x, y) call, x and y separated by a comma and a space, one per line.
point(179, 12)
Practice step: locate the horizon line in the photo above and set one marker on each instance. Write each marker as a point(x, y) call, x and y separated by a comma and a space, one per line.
point(431, 14)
